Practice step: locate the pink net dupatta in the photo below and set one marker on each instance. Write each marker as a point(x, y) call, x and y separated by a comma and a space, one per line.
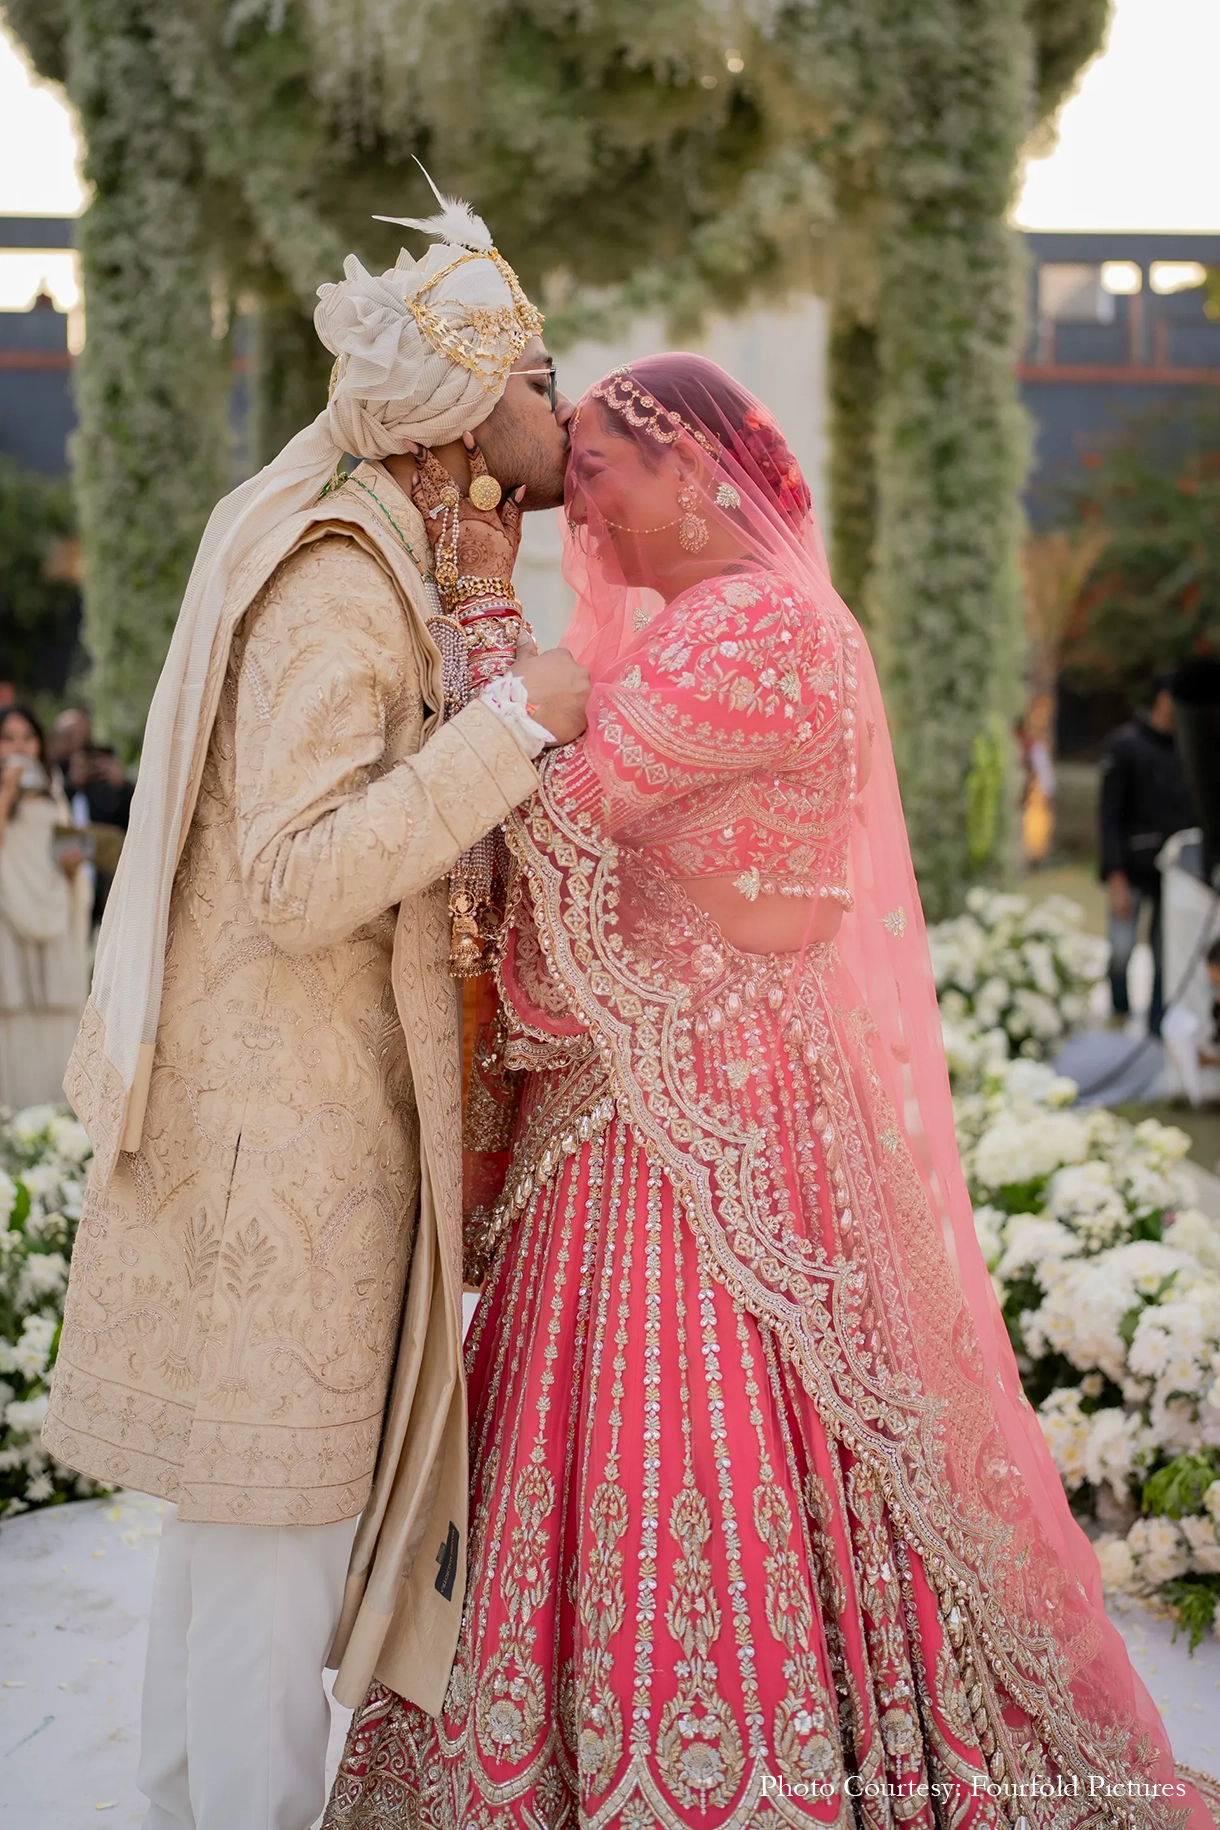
point(730, 831)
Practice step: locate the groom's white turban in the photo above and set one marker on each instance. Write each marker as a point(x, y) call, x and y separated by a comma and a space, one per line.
point(422, 354)
point(424, 350)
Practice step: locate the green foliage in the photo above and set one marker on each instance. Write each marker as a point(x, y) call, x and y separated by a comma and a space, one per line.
point(1177, 1490)
point(1154, 592)
point(984, 793)
point(854, 381)
point(631, 155)
point(1066, 38)
point(152, 380)
point(290, 373)
point(1194, 1600)
point(39, 606)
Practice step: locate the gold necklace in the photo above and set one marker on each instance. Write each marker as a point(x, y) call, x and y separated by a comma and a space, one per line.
point(620, 529)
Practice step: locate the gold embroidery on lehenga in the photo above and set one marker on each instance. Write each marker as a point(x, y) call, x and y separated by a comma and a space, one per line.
point(842, 1320)
point(804, 1750)
point(698, 1745)
point(600, 1595)
point(510, 1712)
point(699, 1748)
point(602, 1605)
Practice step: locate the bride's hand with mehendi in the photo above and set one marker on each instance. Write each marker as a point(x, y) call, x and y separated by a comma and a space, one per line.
point(488, 538)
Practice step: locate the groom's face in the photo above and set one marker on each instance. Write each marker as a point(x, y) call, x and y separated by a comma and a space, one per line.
point(523, 440)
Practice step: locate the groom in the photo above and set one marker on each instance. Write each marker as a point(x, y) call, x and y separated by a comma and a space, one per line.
point(269, 1068)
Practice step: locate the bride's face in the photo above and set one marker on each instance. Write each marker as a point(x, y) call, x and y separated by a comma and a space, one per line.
point(626, 495)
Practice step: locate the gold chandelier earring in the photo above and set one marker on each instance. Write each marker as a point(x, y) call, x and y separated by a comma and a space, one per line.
point(692, 528)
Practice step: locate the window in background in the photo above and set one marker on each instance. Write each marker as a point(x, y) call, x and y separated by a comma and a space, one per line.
point(1122, 278)
point(1177, 276)
point(1072, 292)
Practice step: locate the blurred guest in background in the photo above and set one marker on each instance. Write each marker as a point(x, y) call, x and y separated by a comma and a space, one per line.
point(45, 896)
point(1144, 798)
point(1209, 1054)
point(96, 785)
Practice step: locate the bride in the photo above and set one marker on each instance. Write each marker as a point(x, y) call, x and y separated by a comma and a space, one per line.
point(762, 1529)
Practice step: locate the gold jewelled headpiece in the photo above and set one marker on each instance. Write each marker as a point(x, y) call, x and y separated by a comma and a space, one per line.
point(623, 394)
point(484, 339)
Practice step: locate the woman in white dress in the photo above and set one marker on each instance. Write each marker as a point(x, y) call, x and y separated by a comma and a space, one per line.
point(44, 920)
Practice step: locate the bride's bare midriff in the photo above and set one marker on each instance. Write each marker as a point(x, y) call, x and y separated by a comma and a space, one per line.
point(772, 924)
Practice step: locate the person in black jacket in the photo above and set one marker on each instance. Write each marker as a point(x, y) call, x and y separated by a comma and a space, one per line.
point(1144, 799)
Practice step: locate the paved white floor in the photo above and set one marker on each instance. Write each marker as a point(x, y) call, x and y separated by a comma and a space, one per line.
point(75, 1583)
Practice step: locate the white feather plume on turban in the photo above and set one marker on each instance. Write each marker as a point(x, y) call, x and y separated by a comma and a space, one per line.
point(423, 354)
point(424, 350)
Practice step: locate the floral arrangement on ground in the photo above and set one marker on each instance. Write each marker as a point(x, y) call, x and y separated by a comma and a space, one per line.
point(1107, 1274)
point(1013, 977)
point(44, 1155)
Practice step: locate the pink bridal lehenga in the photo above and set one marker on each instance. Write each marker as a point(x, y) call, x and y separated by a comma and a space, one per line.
point(763, 1531)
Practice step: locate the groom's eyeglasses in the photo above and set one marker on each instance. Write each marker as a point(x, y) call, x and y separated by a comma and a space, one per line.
point(552, 388)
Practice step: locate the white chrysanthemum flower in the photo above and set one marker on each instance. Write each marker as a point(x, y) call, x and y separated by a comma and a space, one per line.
point(25, 1416)
point(70, 1139)
point(33, 1124)
point(1200, 1534)
point(1022, 1150)
point(28, 1354)
point(1088, 1298)
point(1040, 963)
point(42, 1224)
point(1174, 1352)
point(8, 1197)
point(1119, 1447)
point(1034, 1016)
point(1117, 1564)
point(1160, 1551)
point(1168, 1143)
point(40, 1489)
point(42, 1179)
point(1198, 1236)
point(1066, 1429)
point(1083, 1196)
point(989, 1226)
point(1034, 1244)
point(991, 1000)
point(43, 1274)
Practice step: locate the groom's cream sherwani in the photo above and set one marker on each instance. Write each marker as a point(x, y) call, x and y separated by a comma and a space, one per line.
point(236, 1305)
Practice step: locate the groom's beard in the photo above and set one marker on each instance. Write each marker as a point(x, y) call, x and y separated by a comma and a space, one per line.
point(515, 460)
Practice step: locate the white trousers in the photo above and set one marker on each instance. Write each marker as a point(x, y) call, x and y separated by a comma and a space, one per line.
point(235, 1719)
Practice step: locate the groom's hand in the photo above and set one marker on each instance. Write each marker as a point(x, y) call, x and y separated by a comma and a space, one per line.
point(558, 689)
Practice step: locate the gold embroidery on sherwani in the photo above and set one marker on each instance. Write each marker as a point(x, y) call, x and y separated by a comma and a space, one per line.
point(233, 1311)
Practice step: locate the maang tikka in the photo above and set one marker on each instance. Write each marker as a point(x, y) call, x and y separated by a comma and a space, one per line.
point(692, 528)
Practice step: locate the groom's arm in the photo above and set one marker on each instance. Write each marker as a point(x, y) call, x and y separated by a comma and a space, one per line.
point(328, 836)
